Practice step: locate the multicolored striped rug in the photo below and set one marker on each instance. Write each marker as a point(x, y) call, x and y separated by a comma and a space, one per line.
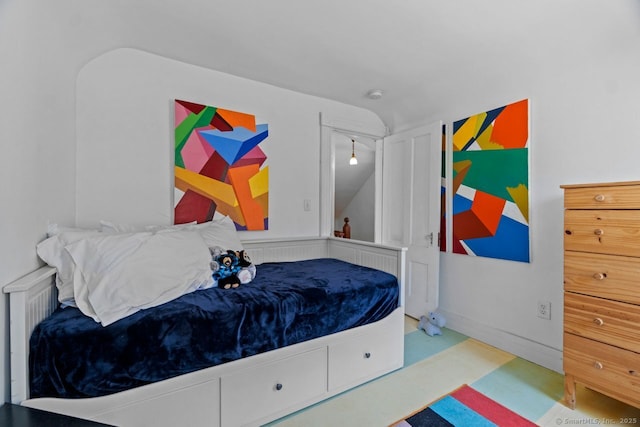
point(464, 407)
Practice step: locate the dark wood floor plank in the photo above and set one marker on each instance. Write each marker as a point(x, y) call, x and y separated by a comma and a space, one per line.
point(20, 416)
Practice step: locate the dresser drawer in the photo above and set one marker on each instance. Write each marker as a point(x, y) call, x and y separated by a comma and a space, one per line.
point(610, 196)
point(609, 232)
point(608, 369)
point(251, 394)
point(611, 322)
point(606, 276)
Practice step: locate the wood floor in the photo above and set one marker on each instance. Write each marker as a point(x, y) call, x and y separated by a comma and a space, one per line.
point(436, 365)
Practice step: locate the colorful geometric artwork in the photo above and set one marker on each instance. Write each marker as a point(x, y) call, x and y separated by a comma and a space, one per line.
point(491, 184)
point(219, 166)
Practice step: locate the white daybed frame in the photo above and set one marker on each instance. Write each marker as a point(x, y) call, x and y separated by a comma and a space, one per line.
point(249, 391)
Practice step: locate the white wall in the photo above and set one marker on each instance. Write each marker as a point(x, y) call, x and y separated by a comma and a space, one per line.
point(36, 176)
point(584, 124)
point(125, 139)
point(115, 123)
point(43, 45)
point(585, 127)
point(360, 212)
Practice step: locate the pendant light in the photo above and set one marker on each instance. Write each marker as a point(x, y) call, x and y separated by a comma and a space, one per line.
point(353, 160)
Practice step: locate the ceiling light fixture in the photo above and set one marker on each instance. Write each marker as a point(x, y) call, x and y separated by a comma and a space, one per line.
point(353, 160)
point(374, 94)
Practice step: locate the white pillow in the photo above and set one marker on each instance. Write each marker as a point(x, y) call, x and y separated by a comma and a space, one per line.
point(129, 243)
point(220, 232)
point(124, 273)
point(54, 229)
point(52, 252)
point(112, 227)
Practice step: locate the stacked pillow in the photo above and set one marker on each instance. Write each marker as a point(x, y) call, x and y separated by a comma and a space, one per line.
point(118, 270)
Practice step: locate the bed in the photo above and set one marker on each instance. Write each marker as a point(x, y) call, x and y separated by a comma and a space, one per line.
point(254, 386)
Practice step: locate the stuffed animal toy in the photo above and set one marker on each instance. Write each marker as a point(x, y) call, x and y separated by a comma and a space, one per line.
point(431, 323)
point(247, 270)
point(231, 268)
point(224, 267)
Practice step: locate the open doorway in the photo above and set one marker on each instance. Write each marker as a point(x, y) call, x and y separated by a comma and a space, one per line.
point(355, 185)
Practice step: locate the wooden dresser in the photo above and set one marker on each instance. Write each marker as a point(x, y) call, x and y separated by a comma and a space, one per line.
point(602, 290)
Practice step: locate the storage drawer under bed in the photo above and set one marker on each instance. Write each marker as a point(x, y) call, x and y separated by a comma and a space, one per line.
point(363, 357)
point(254, 393)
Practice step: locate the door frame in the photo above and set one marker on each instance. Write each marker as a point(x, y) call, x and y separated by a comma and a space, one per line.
point(328, 175)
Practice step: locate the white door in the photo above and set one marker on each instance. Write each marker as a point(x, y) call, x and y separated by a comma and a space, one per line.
point(411, 183)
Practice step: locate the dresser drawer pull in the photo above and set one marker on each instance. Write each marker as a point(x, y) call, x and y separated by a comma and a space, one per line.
point(599, 198)
point(367, 355)
point(598, 365)
point(278, 387)
point(598, 321)
point(598, 231)
point(599, 276)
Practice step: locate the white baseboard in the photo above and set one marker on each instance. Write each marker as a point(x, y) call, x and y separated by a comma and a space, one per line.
point(525, 348)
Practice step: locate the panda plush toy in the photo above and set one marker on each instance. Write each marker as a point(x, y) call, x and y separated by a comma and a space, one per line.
point(231, 268)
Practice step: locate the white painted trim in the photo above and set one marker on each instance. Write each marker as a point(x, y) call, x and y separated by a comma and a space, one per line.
point(327, 181)
point(37, 292)
point(329, 126)
point(525, 348)
point(349, 126)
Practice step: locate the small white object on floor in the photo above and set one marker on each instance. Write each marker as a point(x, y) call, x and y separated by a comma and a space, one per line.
point(431, 323)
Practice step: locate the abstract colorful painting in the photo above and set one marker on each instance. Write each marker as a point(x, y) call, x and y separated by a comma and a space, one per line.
point(219, 166)
point(491, 184)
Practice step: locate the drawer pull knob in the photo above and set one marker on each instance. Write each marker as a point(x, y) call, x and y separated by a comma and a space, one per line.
point(598, 365)
point(598, 231)
point(278, 386)
point(599, 276)
point(599, 198)
point(598, 321)
point(367, 355)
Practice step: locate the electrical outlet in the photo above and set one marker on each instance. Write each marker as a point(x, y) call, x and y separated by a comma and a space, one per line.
point(544, 310)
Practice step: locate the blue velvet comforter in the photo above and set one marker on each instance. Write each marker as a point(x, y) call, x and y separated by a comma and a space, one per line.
point(72, 356)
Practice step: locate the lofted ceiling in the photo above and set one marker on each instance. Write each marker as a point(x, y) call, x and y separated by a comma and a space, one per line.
point(420, 53)
point(428, 57)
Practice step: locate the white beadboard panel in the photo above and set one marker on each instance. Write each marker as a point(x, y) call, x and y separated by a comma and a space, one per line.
point(379, 261)
point(32, 298)
point(344, 253)
point(262, 251)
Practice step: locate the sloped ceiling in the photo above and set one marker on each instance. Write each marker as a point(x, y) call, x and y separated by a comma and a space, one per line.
point(418, 52)
point(426, 56)
point(350, 179)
